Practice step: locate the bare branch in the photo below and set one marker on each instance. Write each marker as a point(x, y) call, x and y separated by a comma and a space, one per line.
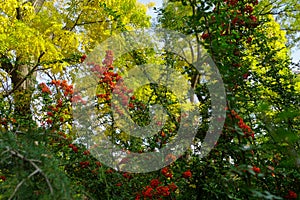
point(20, 184)
point(38, 170)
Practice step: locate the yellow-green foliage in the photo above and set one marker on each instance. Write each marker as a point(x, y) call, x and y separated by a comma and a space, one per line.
point(279, 53)
point(100, 19)
point(176, 15)
point(271, 29)
point(60, 29)
point(268, 61)
point(297, 84)
point(34, 33)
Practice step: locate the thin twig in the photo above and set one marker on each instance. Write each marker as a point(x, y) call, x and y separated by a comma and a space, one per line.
point(20, 184)
point(14, 153)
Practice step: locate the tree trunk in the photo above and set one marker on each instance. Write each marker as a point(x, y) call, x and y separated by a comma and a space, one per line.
point(23, 79)
point(23, 86)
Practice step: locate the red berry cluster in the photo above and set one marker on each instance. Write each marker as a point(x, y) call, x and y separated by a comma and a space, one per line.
point(3, 178)
point(127, 175)
point(248, 9)
point(187, 174)
point(68, 89)
point(82, 58)
point(73, 147)
point(84, 164)
point(98, 163)
point(45, 89)
point(136, 104)
point(4, 121)
point(155, 190)
point(119, 184)
point(54, 112)
point(86, 152)
point(291, 195)
point(231, 2)
point(240, 16)
point(256, 169)
point(109, 171)
point(204, 36)
point(242, 125)
point(111, 81)
point(166, 172)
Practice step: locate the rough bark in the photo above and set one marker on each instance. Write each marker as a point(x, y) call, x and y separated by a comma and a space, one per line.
point(23, 76)
point(23, 87)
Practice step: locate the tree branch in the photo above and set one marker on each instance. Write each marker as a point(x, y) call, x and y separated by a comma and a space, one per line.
point(27, 76)
point(20, 184)
point(38, 170)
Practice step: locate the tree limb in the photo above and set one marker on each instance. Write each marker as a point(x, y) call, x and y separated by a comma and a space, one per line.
point(38, 170)
point(27, 76)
